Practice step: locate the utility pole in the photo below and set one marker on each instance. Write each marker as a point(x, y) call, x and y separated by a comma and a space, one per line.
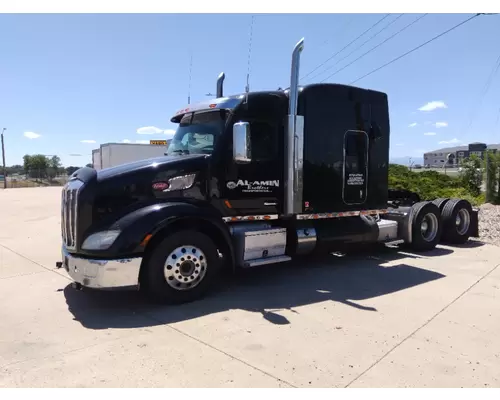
point(3, 159)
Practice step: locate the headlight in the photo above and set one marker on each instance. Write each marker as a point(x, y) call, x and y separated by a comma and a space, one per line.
point(100, 240)
point(180, 183)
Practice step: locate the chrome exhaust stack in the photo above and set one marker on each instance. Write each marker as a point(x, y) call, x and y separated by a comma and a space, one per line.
point(294, 158)
point(220, 85)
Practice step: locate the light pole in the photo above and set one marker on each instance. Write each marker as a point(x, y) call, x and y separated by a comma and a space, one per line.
point(410, 163)
point(3, 160)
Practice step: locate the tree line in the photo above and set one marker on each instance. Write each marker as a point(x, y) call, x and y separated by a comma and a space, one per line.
point(478, 180)
point(39, 166)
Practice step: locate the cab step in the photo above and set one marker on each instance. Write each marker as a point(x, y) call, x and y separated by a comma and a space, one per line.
point(266, 260)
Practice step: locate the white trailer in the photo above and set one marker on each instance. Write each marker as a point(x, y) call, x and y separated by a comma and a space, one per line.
point(96, 159)
point(113, 154)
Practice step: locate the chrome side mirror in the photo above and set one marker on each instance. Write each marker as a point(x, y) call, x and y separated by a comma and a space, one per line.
point(241, 143)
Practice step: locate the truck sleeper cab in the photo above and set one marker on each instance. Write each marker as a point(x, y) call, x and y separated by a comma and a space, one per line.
point(249, 180)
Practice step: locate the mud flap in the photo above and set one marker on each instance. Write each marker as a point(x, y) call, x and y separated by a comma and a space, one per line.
point(474, 223)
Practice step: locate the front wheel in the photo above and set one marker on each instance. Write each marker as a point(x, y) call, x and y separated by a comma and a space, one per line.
point(181, 268)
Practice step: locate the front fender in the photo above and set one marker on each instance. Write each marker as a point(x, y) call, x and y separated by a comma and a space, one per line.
point(150, 219)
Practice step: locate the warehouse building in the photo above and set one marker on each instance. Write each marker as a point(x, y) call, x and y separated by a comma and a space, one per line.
point(451, 156)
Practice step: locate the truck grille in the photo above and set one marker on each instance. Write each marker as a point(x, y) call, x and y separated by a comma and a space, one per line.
point(69, 209)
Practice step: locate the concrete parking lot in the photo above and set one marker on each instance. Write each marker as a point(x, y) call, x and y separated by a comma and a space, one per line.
point(390, 319)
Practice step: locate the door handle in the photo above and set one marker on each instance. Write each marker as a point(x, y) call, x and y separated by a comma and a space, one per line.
point(270, 204)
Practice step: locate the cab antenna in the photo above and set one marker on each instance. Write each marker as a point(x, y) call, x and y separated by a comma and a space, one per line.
point(189, 85)
point(247, 88)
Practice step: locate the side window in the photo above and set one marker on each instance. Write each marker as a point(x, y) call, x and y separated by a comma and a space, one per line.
point(264, 140)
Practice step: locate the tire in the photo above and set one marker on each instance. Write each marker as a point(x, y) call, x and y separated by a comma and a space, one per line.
point(441, 203)
point(425, 214)
point(457, 217)
point(187, 280)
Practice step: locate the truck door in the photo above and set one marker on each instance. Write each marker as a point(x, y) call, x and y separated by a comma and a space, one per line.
point(257, 187)
point(355, 167)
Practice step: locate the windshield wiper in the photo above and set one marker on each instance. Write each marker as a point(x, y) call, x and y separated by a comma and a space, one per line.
point(181, 151)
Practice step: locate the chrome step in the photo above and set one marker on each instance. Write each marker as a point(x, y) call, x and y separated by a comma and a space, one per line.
point(264, 261)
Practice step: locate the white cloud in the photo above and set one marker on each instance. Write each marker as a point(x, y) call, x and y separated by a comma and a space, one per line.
point(126, 141)
point(154, 130)
point(169, 133)
point(412, 125)
point(430, 133)
point(441, 124)
point(31, 135)
point(87, 141)
point(452, 141)
point(149, 130)
point(433, 105)
point(142, 141)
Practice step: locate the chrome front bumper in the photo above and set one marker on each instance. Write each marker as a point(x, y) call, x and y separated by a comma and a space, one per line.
point(102, 274)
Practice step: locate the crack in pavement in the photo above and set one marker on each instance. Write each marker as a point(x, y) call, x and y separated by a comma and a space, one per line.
point(218, 350)
point(146, 315)
point(422, 326)
point(35, 262)
point(19, 275)
point(132, 335)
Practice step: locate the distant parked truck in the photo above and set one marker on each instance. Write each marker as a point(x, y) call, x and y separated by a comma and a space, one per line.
point(114, 154)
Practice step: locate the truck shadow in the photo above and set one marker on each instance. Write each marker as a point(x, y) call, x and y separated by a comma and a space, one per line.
point(470, 244)
point(347, 280)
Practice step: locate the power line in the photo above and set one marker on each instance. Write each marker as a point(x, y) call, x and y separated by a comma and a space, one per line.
point(346, 46)
point(486, 88)
point(490, 78)
point(341, 29)
point(357, 48)
point(415, 49)
point(375, 47)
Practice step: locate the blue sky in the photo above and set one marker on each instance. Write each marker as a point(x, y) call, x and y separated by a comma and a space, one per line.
point(65, 79)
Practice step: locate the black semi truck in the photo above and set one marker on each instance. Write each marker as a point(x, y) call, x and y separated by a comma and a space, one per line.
point(248, 180)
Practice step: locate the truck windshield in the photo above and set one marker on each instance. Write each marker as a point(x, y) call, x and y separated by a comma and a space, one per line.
point(197, 133)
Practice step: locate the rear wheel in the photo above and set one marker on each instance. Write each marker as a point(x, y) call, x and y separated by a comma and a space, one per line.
point(457, 221)
point(181, 268)
point(426, 226)
point(441, 203)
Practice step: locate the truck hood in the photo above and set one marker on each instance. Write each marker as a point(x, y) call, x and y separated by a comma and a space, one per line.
point(147, 164)
point(150, 165)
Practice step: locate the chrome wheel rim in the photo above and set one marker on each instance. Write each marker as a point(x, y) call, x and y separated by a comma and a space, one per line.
point(185, 267)
point(429, 227)
point(462, 221)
